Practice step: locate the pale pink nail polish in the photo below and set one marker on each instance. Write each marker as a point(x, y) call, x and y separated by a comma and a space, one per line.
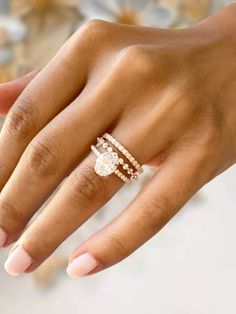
point(82, 265)
point(18, 262)
point(3, 238)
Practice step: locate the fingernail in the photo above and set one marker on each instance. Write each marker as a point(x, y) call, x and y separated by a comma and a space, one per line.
point(3, 238)
point(82, 265)
point(18, 262)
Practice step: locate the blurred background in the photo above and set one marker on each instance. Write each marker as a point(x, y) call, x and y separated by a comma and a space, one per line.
point(190, 266)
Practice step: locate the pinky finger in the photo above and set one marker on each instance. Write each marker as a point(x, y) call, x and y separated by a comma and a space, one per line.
point(170, 188)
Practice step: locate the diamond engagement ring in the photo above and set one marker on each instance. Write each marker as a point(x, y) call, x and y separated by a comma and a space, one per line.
point(109, 161)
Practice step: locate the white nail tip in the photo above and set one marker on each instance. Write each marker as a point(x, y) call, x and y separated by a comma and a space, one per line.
point(18, 262)
point(82, 265)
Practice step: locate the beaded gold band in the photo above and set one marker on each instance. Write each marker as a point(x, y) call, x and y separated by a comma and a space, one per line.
point(124, 151)
point(102, 142)
point(108, 162)
point(108, 170)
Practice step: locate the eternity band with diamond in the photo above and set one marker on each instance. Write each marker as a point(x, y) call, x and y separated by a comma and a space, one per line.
point(109, 161)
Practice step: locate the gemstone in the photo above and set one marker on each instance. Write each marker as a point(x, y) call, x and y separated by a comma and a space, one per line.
point(105, 145)
point(100, 141)
point(121, 161)
point(106, 164)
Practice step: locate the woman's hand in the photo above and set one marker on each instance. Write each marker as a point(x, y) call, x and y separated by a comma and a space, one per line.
point(169, 96)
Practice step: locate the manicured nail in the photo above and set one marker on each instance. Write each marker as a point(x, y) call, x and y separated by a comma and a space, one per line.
point(82, 265)
point(18, 262)
point(3, 238)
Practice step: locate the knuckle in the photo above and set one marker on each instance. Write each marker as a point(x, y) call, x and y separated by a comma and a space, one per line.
point(209, 150)
point(10, 216)
point(87, 185)
point(204, 137)
point(20, 123)
point(92, 38)
point(213, 133)
point(133, 51)
point(117, 244)
point(35, 244)
point(94, 24)
point(137, 60)
point(155, 216)
point(93, 28)
point(38, 246)
point(43, 157)
point(209, 141)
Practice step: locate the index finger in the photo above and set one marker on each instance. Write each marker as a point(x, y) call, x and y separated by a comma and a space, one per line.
point(48, 93)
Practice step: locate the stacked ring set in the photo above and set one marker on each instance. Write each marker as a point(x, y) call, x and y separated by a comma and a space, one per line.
point(116, 159)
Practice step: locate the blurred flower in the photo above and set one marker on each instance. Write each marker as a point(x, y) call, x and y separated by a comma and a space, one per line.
point(41, 7)
point(6, 55)
point(12, 31)
point(14, 28)
point(189, 10)
point(136, 12)
point(50, 24)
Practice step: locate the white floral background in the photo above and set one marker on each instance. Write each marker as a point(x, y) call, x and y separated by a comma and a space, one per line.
point(28, 26)
point(190, 266)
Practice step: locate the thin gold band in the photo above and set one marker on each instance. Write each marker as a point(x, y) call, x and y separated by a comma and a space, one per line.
point(124, 151)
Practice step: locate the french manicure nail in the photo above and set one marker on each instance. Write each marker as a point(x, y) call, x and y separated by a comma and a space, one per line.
point(82, 265)
point(18, 262)
point(3, 238)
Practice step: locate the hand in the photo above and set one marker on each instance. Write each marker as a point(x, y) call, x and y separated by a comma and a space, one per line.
point(166, 95)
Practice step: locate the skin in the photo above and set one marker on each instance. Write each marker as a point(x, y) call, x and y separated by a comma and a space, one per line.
point(167, 95)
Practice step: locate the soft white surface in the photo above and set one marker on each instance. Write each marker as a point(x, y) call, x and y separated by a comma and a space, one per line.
point(189, 267)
